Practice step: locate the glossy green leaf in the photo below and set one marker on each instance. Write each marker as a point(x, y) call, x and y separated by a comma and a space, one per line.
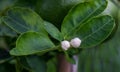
point(31, 43)
point(53, 31)
point(37, 64)
point(102, 58)
point(23, 19)
point(80, 14)
point(94, 31)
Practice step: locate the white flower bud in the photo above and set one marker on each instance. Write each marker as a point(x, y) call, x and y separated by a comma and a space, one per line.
point(75, 42)
point(65, 45)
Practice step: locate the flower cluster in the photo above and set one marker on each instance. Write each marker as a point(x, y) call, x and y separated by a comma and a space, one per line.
point(74, 43)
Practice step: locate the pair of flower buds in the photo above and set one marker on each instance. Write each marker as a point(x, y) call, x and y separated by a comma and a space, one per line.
point(74, 43)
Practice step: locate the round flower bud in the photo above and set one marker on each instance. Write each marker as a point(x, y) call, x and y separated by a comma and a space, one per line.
point(65, 45)
point(75, 42)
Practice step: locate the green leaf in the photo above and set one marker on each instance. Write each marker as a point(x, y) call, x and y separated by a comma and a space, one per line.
point(23, 19)
point(53, 31)
point(5, 30)
point(23, 62)
point(94, 31)
point(102, 58)
point(80, 14)
point(31, 43)
point(37, 64)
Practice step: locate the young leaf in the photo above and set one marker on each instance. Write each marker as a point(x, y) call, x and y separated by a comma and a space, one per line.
point(80, 14)
point(94, 31)
point(31, 43)
point(53, 31)
point(23, 19)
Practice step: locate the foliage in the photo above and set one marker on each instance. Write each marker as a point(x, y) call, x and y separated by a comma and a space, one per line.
point(32, 31)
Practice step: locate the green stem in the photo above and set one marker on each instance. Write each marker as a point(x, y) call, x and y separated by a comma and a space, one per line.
point(18, 66)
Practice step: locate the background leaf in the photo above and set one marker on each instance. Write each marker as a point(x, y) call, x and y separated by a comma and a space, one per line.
point(80, 14)
point(31, 43)
point(37, 64)
point(24, 19)
point(54, 10)
point(23, 62)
